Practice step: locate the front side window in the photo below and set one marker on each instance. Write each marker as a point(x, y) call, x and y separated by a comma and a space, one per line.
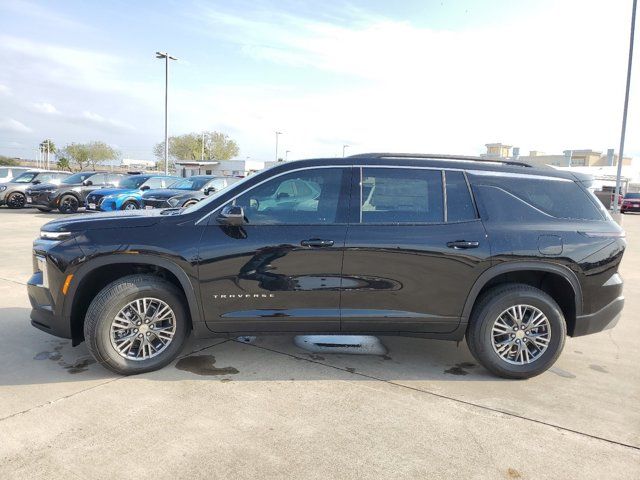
point(298, 198)
point(154, 182)
point(401, 195)
point(77, 178)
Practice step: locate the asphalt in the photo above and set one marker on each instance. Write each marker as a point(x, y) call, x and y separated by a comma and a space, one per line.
point(227, 409)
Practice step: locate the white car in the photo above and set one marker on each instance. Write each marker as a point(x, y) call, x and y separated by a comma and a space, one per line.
point(8, 173)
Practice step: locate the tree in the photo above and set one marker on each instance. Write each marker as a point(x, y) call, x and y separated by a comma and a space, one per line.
point(217, 146)
point(82, 155)
point(63, 164)
point(8, 162)
point(52, 146)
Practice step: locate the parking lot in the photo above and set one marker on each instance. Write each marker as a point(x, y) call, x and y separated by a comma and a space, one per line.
point(269, 409)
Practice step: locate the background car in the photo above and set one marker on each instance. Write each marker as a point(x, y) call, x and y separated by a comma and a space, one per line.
point(187, 192)
point(9, 173)
point(12, 194)
point(72, 191)
point(630, 203)
point(128, 195)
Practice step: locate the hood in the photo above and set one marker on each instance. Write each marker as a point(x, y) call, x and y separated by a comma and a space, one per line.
point(116, 219)
point(165, 193)
point(103, 192)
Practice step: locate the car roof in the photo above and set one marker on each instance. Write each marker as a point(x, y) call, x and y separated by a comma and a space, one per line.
point(463, 162)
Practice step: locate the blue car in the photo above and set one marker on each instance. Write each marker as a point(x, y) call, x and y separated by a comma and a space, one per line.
point(129, 194)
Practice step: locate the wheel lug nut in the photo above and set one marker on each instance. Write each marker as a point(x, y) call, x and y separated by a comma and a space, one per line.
point(518, 341)
point(135, 330)
point(148, 334)
point(140, 336)
point(139, 323)
point(513, 336)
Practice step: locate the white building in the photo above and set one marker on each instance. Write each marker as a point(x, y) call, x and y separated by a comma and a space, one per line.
point(227, 168)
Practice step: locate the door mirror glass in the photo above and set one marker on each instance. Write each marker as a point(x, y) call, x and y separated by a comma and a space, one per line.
point(145, 187)
point(232, 215)
point(36, 182)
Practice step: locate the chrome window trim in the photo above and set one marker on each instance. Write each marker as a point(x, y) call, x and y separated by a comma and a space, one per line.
point(444, 196)
point(363, 166)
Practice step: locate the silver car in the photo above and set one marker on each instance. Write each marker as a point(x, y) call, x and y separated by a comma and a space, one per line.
point(12, 194)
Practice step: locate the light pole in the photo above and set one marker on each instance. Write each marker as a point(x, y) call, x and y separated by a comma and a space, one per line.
point(616, 207)
point(343, 148)
point(286, 155)
point(277, 135)
point(166, 57)
point(202, 155)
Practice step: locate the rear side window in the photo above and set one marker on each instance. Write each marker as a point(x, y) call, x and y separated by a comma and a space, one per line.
point(460, 206)
point(401, 195)
point(558, 198)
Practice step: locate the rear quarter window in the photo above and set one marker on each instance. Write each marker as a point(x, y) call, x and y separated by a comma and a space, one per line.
point(508, 197)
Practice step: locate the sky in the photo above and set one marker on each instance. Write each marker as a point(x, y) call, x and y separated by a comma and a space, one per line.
point(406, 76)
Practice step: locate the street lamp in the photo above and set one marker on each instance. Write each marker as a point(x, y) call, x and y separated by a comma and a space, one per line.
point(277, 135)
point(343, 148)
point(286, 155)
point(166, 57)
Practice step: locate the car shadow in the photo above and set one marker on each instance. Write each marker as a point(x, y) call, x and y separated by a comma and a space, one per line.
point(29, 357)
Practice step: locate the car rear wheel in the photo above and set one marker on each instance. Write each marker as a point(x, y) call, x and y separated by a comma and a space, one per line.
point(16, 200)
point(68, 204)
point(129, 205)
point(136, 324)
point(516, 331)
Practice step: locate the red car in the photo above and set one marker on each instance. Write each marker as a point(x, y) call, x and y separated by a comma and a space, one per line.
point(630, 203)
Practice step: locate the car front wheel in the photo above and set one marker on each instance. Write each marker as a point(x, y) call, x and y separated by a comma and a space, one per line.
point(516, 331)
point(68, 204)
point(16, 200)
point(136, 324)
point(129, 205)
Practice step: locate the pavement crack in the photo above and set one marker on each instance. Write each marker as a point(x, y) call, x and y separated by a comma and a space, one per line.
point(13, 281)
point(453, 399)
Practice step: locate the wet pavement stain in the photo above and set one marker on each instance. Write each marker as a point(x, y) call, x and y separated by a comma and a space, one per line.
point(459, 368)
point(80, 365)
point(598, 368)
point(456, 371)
point(203, 365)
point(513, 473)
point(562, 373)
point(350, 369)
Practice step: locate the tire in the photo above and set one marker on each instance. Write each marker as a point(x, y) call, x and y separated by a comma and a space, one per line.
point(116, 297)
point(44, 209)
point(492, 307)
point(68, 204)
point(188, 203)
point(129, 205)
point(16, 200)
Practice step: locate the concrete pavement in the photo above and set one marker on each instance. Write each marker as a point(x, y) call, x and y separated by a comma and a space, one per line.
point(425, 411)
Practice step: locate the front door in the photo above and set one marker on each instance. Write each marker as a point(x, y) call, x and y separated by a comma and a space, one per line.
point(410, 260)
point(281, 271)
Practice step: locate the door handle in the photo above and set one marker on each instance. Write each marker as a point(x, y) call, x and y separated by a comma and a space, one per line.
point(316, 242)
point(462, 244)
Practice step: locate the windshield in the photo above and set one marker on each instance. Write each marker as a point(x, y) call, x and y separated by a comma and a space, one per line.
point(77, 178)
point(134, 182)
point(190, 184)
point(26, 177)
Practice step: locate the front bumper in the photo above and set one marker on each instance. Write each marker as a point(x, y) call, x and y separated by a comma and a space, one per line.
point(604, 319)
point(43, 315)
point(155, 203)
point(43, 199)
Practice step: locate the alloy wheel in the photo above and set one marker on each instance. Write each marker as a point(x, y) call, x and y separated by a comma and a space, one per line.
point(143, 329)
point(521, 334)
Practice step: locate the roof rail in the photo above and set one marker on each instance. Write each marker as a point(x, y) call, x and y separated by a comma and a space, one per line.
point(435, 156)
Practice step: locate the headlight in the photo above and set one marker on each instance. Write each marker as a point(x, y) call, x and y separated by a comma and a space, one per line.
point(3, 188)
point(173, 201)
point(54, 235)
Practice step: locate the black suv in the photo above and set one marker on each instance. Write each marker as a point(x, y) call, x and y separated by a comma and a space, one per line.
point(185, 192)
point(512, 257)
point(71, 193)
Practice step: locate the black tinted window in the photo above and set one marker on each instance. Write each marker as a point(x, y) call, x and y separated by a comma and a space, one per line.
point(559, 198)
point(401, 195)
point(305, 197)
point(459, 203)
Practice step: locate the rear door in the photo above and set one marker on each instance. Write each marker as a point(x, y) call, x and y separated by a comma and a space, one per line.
point(281, 271)
point(413, 254)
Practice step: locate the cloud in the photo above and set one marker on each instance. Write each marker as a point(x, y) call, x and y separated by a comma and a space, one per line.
point(45, 107)
point(13, 126)
point(100, 121)
point(4, 90)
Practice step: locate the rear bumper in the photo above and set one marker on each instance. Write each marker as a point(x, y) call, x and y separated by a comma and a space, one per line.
point(603, 319)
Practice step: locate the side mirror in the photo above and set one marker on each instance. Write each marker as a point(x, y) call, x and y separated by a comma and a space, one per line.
point(282, 195)
point(209, 190)
point(36, 182)
point(232, 215)
point(145, 187)
point(87, 183)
